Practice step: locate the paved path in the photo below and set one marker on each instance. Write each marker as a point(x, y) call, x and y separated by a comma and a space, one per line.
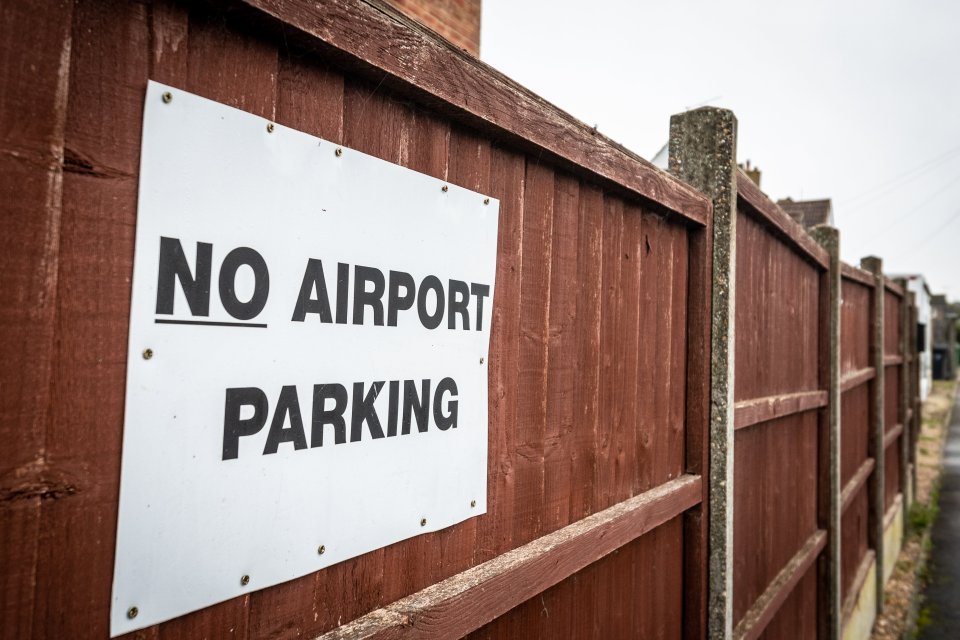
point(943, 593)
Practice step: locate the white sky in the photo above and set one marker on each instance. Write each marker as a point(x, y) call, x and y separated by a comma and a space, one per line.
point(851, 100)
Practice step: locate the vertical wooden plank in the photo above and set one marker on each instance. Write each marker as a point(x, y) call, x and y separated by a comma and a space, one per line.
point(586, 392)
point(469, 166)
point(611, 365)
point(310, 97)
point(506, 184)
point(534, 326)
point(35, 41)
point(109, 54)
point(562, 358)
point(629, 433)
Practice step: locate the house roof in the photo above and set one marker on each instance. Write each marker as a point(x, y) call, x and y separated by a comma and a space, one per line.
point(808, 212)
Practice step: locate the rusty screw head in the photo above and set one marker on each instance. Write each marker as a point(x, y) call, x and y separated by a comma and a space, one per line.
point(423, 522)
point(147, 354)
point(444, 188)
point(481, 360)
point(322, 550)
point(486, 201)
point(473, 503)
point(338, 152)
point(132, 612)
point(245, 580)
point(167, 98)
point(269, 127)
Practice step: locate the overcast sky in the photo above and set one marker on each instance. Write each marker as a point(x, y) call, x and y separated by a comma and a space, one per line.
point(854, 101)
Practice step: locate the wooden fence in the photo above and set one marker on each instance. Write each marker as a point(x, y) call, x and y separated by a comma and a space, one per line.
point(611, 440)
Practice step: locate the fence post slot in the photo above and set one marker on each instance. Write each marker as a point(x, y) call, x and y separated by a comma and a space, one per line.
point(703, 153)
point(829, 500)
point(875, 444)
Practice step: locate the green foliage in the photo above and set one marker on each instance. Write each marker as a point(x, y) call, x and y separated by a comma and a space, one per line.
point(922, 516)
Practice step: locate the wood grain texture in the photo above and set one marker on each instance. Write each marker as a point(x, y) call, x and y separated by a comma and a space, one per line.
point(797, 616)
point(381, 42)
point(854, 546)
point(562, 356)
point(777, 295)
point(533, 361)
point(765, 608)
point(750, 412)
point(780, 221)
point(854, 486)
point(590, 361)
point(507, 172)
point(857, 378)
point(775, 508)
point(587, 391)
point(76, 534)
point(33, 112)
point(856, 274)
point(488, 590)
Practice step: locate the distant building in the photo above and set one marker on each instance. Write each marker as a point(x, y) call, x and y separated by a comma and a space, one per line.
point(918, 285)
point(456, 20)
point(809, 213)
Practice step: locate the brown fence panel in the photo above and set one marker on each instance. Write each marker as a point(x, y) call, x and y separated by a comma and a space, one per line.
point(893, 411)
point(780, 428)
point(856, 463)
point(599, 363)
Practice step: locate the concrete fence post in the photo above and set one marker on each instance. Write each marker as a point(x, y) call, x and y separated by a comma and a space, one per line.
point(916, 417)
point(831, 485)
point(903, 414)
point(703, 153)
point(875, 444)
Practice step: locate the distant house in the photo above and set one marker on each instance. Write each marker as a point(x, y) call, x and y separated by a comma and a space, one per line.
point(809, 213)
point(917, 284)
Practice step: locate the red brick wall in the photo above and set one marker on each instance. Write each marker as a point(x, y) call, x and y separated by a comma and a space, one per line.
point(456, 20)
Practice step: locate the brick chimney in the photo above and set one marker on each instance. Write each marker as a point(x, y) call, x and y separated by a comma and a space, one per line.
point(456, 20)
point(752, 172)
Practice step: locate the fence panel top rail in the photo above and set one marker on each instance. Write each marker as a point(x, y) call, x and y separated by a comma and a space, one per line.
point(785, 226)
point(856, 274)
point(376, 40)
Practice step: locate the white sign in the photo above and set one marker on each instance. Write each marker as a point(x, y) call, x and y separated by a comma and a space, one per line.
point(307, 376)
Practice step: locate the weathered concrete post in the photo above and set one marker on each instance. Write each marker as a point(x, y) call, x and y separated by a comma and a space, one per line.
point(875, 445)
point(916, 419)
point(703, 153)
point(829, 238)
